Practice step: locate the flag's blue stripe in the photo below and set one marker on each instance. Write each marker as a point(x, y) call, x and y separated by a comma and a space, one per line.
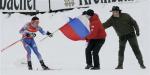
point(79, 28)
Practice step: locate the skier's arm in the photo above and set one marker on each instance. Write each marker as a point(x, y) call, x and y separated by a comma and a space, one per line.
point(45, 33)
point(23, 30)
point(41, 31)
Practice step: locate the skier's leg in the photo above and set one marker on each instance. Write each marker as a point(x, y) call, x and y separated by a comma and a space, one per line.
point(122, 44)
point(88, 54)
point(26, 44)
point(96, 49)
point(135, 47)
point(27, 48)
point(35, 49)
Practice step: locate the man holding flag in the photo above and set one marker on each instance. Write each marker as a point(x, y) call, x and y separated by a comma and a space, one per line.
point(95, 39)
point(87, 27)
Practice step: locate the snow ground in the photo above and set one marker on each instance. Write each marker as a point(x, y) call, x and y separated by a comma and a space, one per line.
point(66, 56)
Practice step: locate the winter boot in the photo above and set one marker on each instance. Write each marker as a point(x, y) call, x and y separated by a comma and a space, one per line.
point(43, 65)
point(142, 66)
point(29, 65)
point(140, 60)
point(95, 68)
point(88, 66)
point(120, 63)
point(119, 67)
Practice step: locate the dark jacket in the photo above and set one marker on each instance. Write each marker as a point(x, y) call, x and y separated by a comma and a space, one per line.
point(123, 25)
point(97, 30)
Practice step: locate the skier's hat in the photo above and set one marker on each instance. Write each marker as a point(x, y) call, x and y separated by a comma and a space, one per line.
point(115, 8)
point(35, 18)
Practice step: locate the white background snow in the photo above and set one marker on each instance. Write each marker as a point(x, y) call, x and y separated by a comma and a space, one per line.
point(66, 56)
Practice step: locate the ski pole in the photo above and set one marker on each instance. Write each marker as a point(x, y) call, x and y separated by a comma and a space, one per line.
point(10, 45)
point(48, 36)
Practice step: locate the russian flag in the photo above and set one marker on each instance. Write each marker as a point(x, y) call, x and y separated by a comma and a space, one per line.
point(75, 29)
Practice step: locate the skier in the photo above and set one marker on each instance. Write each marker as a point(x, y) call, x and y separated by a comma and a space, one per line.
point(125, 27)
point(95, 39)
point(28, 34)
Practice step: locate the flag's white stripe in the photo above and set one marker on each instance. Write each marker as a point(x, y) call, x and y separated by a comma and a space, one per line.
point(85, 21)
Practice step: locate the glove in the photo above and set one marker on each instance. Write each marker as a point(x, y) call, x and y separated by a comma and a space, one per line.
point(137, 33)
point(28, 35)
point(49, 34)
